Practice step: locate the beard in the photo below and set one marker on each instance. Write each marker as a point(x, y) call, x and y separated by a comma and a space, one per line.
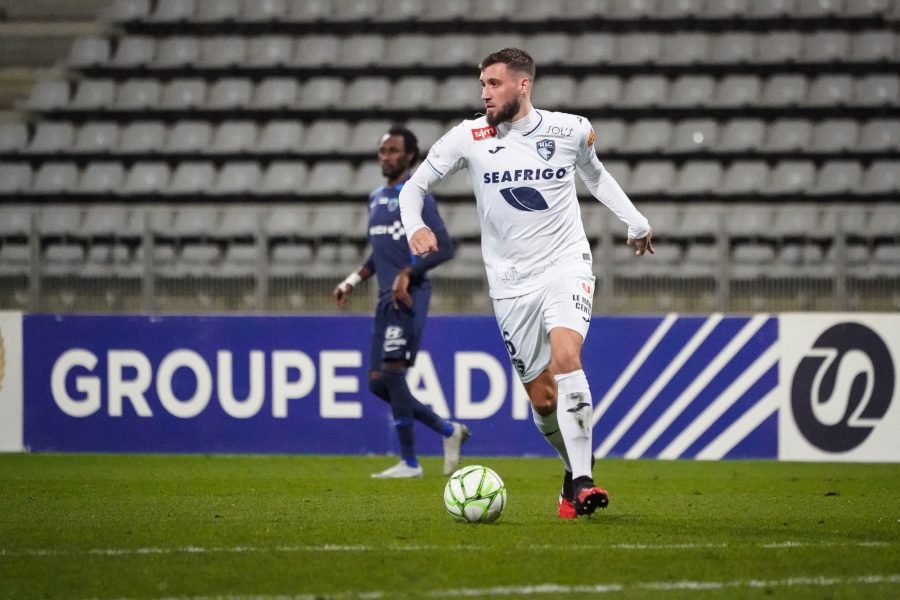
point(504, 113)
point(393, 171)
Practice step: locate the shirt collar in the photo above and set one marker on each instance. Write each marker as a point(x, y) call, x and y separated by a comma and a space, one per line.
point(523, 126)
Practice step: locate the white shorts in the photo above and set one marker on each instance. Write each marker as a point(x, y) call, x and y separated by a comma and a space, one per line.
point(525, 321)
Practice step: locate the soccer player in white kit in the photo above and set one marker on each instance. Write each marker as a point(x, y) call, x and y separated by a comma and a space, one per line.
point(522, 164)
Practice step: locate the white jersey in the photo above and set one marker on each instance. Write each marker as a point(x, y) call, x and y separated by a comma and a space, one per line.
point(523, 176)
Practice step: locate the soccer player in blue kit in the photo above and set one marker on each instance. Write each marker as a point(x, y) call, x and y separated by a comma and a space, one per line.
point(404, 293)
point(522, 163)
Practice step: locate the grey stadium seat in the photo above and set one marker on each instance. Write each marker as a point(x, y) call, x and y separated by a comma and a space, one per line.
point(869, 8)
point(826, 46)
point(838, 176)
point(316, 50)
point(652, 177)
point(785, 90)
point(445, 10)
point(147, 178)
point(489, 43)
point(645, 90)
point(101, 178)
point(291, 259)
point(172, 11)
point(880, 135)
point(192, 177)
point(52, 137)
point(745, 177)
point(361, 50)
point(366, 178)
point(367, 92)
point(354, 11)
point(413, 93)
point(649, 135)
point(88, 52)
point(684, 49)
point(610, 135)
point(741, 135)
point(222, 51)
point(694, 135)
point(426, 131)
point(230, 92)
point(327, 177)
point(366, 135)
point(142, 137)
point(835, 135)
point(732, 48)
point(698, 177)
point(692, 90)
point(872, 46)
point(598, 90)
point(749, 221)
point(327, 135)
point(64, 221)
point(407, 50)
point(97, 137)
point(189, 137)
point(549, 48)
point(337, 220)
point(134, 51)
point(555, 92)
point(322, 92)
point(698, 220)
point(13, 137)
point(817, 8)
point(61, 259)
point(178, 51)
point(94, 94)
point(198, 260)
point(830, 90)
point(284, 177)
point(885, 261)
point(48, 95)
point(309, 11)
point(55, 178)
point(103, 220)
point(798, 220)
point(123, 11)
point(493, 10)
point(877, 90)
point(639, 48)
point(457, 92)
point(240, 260)
point(264, 11)
point(213, 11)
point(593, 49)
point(270, 51)
point(454, 49)
point(402, 11)
point(238, 178)
point(791, 177)
point(738, 90)
point(184, 94)
point(138, 94)
point(788, 135)
point(882, 177)
point(14, 178)
point(15, 220)
point(283, 221)
point(779, 47)
point(232, 137)
point(239, 221)
point(280, 136)
point(752, 261)
point(884, 221)
point(194, 221)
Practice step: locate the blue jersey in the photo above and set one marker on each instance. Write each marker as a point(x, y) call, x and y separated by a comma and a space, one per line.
point(390, 250)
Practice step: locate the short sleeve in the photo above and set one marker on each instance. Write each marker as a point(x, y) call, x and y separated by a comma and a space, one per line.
point(448, 153)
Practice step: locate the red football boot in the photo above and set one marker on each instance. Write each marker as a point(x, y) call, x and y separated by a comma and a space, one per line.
point(589, 498)
point(565, 509)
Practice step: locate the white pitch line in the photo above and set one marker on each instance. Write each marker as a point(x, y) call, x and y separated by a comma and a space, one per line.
point(556, 589)
point(37, 552)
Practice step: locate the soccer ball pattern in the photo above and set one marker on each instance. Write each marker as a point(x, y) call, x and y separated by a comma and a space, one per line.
point(475, 494)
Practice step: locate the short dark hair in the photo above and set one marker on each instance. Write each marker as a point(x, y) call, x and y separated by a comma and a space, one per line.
point(513, 58)
point(410, 142)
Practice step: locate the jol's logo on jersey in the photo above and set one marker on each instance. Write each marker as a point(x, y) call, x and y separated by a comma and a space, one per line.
point(546, 148)
point(484, 133)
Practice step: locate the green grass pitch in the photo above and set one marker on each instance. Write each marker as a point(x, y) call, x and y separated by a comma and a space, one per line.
point(307, 527)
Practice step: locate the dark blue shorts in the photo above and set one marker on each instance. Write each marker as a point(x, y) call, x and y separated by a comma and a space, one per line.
point(397, 332)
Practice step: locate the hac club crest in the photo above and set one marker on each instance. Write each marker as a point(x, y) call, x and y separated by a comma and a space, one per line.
point(546, 148)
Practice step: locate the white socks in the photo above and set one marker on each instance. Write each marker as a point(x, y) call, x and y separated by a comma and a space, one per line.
point(551, 430)
point(573, 413)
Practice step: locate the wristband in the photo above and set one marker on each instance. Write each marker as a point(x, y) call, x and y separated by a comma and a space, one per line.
point(353, 280)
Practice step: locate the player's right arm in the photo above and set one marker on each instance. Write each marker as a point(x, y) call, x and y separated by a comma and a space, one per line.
point(343, 290)
point(445, 157)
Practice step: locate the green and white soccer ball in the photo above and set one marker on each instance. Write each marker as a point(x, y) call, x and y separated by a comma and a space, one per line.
point(475, 494)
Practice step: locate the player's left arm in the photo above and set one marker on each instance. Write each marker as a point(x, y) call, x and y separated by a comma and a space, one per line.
point(419, 266)
point(607, 190)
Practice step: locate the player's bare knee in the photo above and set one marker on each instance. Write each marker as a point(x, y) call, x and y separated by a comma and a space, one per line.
point(565, 362)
